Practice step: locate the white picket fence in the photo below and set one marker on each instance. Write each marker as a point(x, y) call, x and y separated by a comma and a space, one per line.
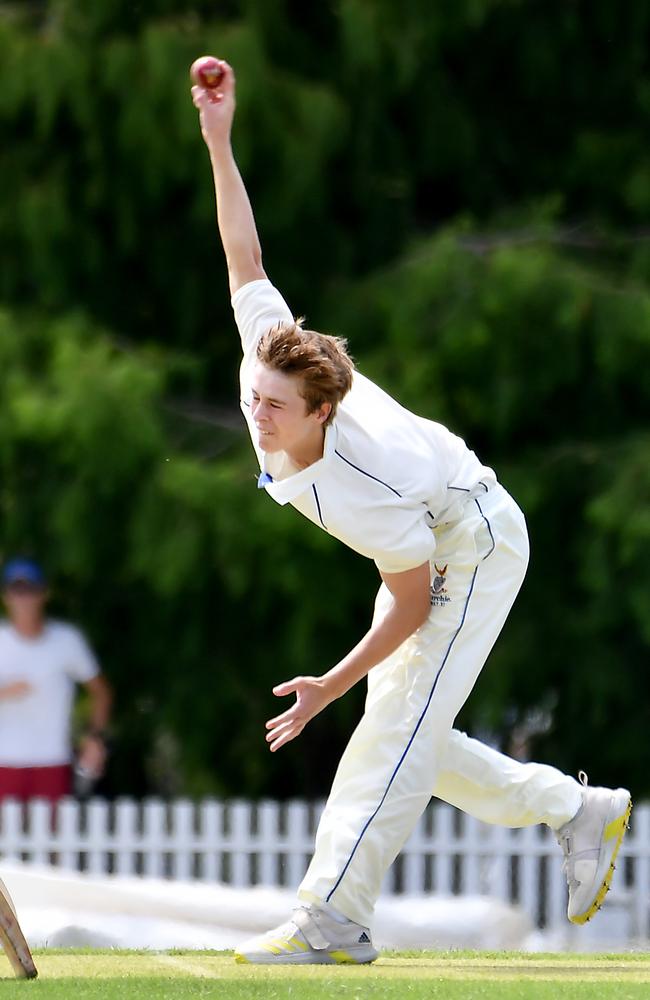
point(245, 843)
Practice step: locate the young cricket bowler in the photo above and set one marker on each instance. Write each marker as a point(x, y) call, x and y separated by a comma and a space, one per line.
point(451, 548)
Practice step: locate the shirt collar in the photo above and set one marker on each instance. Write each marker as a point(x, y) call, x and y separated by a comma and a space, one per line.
point(284, 491)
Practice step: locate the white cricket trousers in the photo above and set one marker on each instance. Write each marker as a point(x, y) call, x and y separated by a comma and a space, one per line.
point(405, 749)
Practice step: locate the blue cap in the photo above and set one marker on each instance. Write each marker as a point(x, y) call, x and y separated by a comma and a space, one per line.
point(23, 571)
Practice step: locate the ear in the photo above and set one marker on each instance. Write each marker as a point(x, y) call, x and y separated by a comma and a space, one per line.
point(323, 412)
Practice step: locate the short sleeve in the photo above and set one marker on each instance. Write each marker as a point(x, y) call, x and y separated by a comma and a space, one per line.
point(81, 663)
point(406, 549)
point(258, 306)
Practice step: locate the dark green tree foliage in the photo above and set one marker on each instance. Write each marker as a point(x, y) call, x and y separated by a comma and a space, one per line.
point(461, 189)
point(357, 125)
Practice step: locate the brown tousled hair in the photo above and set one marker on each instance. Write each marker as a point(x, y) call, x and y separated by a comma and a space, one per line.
point(319, 360)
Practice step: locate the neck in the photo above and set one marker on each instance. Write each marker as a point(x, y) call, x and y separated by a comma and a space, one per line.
point(29, 629)
point(311, 450)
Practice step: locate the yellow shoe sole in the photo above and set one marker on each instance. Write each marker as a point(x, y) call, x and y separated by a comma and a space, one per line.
point(618, 828)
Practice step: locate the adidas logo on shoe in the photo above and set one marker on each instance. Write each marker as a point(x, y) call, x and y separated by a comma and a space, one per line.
point(311, 937)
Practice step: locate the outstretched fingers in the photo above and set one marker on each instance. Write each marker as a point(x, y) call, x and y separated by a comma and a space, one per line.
point(281, 720)
point(311, 698)
point(279, 740)
point(284, 732)
point(289, 724)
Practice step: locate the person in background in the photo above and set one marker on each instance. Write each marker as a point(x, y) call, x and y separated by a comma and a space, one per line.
point(41, 661)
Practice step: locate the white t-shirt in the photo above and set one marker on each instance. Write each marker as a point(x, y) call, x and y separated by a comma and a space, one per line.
point(35, 728)
point(387, 476)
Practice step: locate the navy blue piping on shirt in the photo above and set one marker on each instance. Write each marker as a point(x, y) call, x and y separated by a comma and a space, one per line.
point(364, 473)
point(320, 515)
point(413, 735)
point(489, 528)
point(466, 489)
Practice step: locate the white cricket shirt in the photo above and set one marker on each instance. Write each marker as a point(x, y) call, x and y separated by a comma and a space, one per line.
point(35, 728)
point(387, 476)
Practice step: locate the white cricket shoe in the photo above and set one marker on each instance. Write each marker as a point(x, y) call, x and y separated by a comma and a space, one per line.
point(590, 842)
point(311, 937)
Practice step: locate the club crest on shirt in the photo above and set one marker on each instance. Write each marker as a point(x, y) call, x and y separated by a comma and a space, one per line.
point(439, 594)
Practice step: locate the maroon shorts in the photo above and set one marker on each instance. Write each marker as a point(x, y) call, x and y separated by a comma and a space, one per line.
point(25, 783)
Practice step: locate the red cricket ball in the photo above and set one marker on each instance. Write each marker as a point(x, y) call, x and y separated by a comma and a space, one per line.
point(206, 71)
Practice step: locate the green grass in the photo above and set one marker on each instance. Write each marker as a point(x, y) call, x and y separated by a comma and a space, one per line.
point(114, 975)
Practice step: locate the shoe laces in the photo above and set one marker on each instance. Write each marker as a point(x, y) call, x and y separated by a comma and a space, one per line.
point(568, 865)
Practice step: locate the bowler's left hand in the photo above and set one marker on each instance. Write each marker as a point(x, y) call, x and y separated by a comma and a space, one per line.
point(312, 696)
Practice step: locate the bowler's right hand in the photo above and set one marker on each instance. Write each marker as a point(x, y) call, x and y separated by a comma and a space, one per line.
point(216, 108)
